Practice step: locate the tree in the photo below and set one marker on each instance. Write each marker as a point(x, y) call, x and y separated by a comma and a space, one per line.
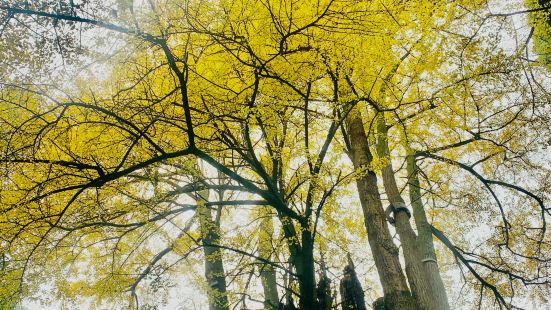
point(540, 22)
point(274, 97)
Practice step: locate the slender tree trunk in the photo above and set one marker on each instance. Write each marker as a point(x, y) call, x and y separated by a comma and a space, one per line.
point(267, 271)
point(417, 276)
point(323, 290)
point(385, 252)
point(306, 272)
point(302, 259)
point(424, 240)
point(287, 284)
point(214, 266)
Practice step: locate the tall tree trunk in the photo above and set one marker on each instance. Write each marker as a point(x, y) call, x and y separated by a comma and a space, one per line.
point(417, 276)
point(267, 271)
point(385, 252)
point(214, 266)
point(424, 240)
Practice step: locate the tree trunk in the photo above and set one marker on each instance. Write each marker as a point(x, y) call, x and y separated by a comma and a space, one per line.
point(302, 259)
point(385, 253)
point(267, 271)
point(424, 240)
point(306, 273)
point(323, 292)
point(417, 276)
point(214, 266)
point(352, 294)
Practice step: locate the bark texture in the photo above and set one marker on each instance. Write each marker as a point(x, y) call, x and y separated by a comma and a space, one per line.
point(306, 272)
point(267, 271)
point(424, 239)
point(417, 276)
point(302, 259)
point(214, 266)
point(352, 294)
point(323, 290)
point(385, 252)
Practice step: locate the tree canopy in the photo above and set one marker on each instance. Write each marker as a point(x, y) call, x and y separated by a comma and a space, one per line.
point(314, 154)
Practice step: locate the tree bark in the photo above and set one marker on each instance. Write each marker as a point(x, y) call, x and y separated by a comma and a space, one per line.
point(323, 292)
point(214, 266)
point(424, 240)
point(385, 252)
point(417, 276)
point(352, 294)
point(306, 272)
point(302, 259)
point(267, 271)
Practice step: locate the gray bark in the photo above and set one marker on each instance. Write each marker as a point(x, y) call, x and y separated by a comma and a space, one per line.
point(424, 240)
point(417, 276)
point(214, 266)
point(267, 271)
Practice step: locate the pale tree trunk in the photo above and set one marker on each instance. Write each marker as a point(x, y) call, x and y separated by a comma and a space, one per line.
point(384, 251)
point(417, 276)
point(267, 271)
point(424, 240)
point(214, 266)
